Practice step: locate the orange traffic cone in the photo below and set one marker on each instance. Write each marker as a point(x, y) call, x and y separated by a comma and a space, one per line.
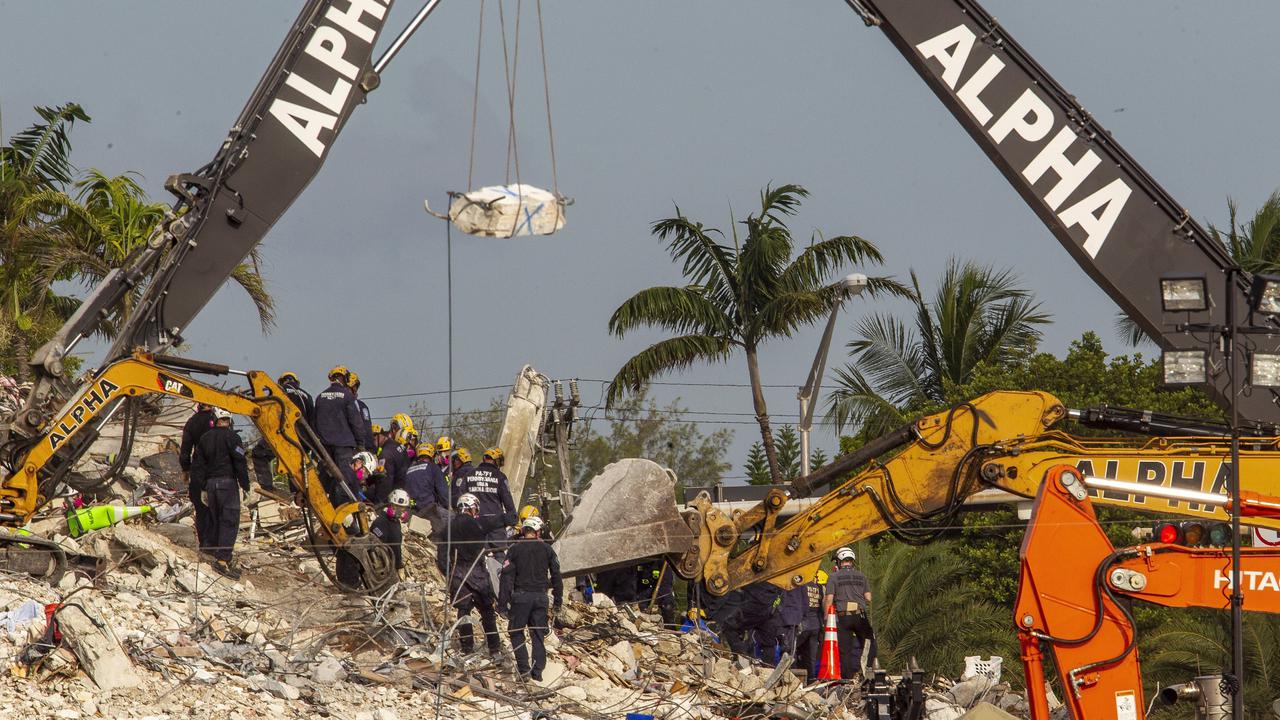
point(829, 668)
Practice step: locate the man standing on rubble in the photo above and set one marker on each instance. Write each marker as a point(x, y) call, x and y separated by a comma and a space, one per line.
point(530, 569)
point(217, 466)
point(366, 418)
point(469, 583)
point(490, 486)
point(340, 427)
point(425, 483)
point(386, 526)
point(195, 428)
point(809, 643)
point(850, 592)
point(262, 454)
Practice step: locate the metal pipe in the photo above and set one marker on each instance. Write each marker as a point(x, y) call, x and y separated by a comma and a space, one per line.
point(1237, 591)
point(1169, 493)
point(404, 35)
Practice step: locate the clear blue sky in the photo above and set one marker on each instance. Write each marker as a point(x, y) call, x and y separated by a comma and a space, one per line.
point(655, 103)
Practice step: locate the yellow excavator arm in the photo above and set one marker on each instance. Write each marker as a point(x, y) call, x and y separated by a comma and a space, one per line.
point(913, 479)
point(30, 484)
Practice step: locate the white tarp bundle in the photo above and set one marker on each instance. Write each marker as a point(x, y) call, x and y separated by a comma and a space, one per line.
point(507, 211)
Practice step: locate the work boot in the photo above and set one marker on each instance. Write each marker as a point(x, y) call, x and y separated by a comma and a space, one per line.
point(224, 568)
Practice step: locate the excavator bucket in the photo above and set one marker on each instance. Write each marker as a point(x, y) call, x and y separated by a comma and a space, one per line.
point(626, 514)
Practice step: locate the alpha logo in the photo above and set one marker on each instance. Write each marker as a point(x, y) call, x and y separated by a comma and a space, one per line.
point(1250, 579)
point(1210, 476)
point(1032, 119)
point(328, 95)
point(91, 402)
point(173, 386)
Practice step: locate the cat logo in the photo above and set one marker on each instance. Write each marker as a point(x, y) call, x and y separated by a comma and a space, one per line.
point(172, 386)
point(90, 403)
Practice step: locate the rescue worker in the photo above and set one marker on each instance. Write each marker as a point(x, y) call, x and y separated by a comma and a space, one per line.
point(386, 526)
point(340, 427)
point(809, 642)
point(411, 443)
point(292, 387)
point(530, 569)
point(848, 590)
point(262, 454)
point(469, 584)
point(217, 466)
point(366, 418)
point(425, 484)
point(488, 483)
point(196, 426)
point(655, 586)
point(459, 467)
point(444, 456)
point(619, 584)
point(527, 512)
point(363, 466)
point(392, 461)
point(756, 622)
point(790, 615)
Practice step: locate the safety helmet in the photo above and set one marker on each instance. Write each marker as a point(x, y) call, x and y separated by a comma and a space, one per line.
point(426, 449)
point(402, 421)
point(221, 414)
point(821, 577)
point(467, 501)
point(533, 522)
point(400, 498)
point(463, 455)
point(528, 511)
point(494, 454)
point(444, 444)
point(845, 553)
point(353, 380)
point(285, 377)
point(376, 429)
point(367, 458)
point(339, 371)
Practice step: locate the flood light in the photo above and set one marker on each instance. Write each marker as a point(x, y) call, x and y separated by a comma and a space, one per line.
point(1184, 293)
point(1264, 370)
point(1264, 294)
point(1184, 367)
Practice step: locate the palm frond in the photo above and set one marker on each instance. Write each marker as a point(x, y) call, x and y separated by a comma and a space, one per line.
point(676, 353)
point(888, 354)
point(246, 275)
point(692, 244)
point(682, 310)
point(815, 265)
point(855, 405)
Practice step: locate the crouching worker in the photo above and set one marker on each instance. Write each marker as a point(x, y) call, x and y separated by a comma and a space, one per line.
point(217, 467)
point(386, 527)
point(469, 584)
point(531, 568)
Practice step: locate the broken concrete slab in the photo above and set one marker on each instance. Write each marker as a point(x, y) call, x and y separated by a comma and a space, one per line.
point(987, 711)
point(97, 648)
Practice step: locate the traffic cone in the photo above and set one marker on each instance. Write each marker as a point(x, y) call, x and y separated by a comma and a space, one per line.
point(88, 519)
point(829, 668)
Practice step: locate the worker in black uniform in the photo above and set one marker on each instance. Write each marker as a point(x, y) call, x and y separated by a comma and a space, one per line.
point(529, 570)
point(489, 485)
point(850, 593)
point(366, 418)
point(790, 615)
point(655, 586)
point(619, 584)
point(755, 624)
point(469, 583)
point(196, 426)
point(293, 388)
point(217, 466)
point(261, 455)
point(809, 641)
point(340, 427)
point(392, 462)
point(387, 526)
point(425, 483)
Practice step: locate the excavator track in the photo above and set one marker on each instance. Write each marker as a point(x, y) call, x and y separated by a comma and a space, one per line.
point(32, 555)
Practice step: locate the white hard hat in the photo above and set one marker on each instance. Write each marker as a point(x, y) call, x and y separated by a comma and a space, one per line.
point(533, 522)
point(367, 458)
point(467, 501)
point(221, 414)
point(399, 497)
point(846, 553)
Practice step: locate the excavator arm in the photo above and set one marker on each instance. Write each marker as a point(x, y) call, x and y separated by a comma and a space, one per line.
point(32, 479)
point(1073, 584)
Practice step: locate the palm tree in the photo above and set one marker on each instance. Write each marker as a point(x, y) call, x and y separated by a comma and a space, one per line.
point(34, 161)
point(737, 296)
point(977, 315)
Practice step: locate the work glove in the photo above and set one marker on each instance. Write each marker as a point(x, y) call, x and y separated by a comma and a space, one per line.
point(204, 498)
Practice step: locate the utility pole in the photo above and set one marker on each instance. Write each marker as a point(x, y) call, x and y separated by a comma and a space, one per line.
point(563, 415)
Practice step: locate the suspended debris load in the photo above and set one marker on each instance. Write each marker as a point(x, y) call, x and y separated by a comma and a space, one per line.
point(506, 211)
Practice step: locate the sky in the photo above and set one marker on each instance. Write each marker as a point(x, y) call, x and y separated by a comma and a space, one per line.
point(654, 104)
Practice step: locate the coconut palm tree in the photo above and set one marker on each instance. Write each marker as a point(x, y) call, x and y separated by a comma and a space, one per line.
point(977, 315)
point(737, 296)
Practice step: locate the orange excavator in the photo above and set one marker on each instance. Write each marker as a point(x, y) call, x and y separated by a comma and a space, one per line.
point(1075, 587)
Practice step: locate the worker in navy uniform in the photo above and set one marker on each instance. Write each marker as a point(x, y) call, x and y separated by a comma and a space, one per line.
point(850, 593)
point(387, 526)
point(619, 584)
point(656, 575)
point(366, 418)
point(530, 569)
point(340, 427)
point(425, 483)
point(809, 641)
point(262, 453)
point(392, 461)
point(444, 456)
point(196, 426)
point(301, 398)
point(790, 615)
point(755, 623)
point(469, 584)
point(488, 483)
point(217, 467)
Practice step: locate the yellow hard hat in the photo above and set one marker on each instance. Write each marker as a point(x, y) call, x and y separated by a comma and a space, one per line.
point(444, 444)
point(287, 376)
point(353, 380)
point(463, 454)
point(822, 577)
point(402, 421)
point(339, 371)
point(528, 511)
point(376, 429)
point(426, 449)
point(494, 454)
